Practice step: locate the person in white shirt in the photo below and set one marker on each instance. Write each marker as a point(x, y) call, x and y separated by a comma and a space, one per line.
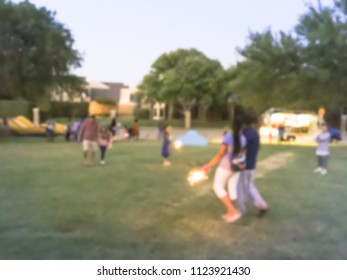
point(322, 152)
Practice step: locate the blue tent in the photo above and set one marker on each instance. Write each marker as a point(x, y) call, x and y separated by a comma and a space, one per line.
point(192, 138)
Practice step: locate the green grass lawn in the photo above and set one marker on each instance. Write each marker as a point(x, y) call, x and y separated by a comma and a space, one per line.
point(52, 207)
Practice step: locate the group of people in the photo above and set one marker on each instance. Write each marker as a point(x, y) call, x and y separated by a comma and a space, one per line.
point(234, 178)
point(236, 158)
point(93, 137)
point(73, 129)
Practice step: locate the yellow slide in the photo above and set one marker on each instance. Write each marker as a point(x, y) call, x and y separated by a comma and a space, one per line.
point(22, 126)
point(59, 128)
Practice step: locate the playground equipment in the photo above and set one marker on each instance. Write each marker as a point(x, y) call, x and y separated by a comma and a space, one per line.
point(20, 125)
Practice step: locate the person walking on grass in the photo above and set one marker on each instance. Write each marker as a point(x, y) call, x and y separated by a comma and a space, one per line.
point(50, 130)
point(75, 129)
point(322, 152)
point(161, 130)
point(105, 140)
point(68, 131)
point(225, 179)
point(134, 131)
point(166, 147)
point(89, 136)
point(247, 191)
point(113, 126)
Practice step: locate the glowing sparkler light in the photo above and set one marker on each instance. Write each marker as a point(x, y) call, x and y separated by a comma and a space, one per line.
point(178, 145)
point(196, 177)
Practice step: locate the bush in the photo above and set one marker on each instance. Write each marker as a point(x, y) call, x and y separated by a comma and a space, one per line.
point(12, 108)
point(142, 114)
point(105, 101)
point(68, 109)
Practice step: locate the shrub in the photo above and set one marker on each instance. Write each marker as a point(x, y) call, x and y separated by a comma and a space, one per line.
point(12, 108)
point(68, 109)
point(105, 101)
point(142, 114)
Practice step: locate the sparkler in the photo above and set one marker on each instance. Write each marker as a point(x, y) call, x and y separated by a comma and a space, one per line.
point(178, 145)
point(196, 176)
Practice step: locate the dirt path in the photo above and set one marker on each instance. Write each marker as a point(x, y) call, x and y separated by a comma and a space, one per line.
point(272, 163)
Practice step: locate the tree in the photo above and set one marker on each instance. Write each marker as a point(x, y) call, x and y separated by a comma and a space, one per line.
point(267, 75)
point(186, 77)
point(36, 53)
point(323, 32)
point(303, 69)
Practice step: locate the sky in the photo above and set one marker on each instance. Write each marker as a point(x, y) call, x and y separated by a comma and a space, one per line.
point(120, 39)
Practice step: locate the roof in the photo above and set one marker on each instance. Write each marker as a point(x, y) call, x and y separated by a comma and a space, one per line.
point(97, 85)
point(115, 89)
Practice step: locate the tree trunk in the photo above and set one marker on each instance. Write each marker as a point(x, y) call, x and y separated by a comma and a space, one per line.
point(187, 118)
point(202, 113)
point(170, 110)
point(151, 111)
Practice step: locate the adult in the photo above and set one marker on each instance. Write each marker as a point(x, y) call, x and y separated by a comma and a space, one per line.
point(68, 131)
point(134, 131)
point(5, 121)
point(50, 130)
point(281, 129)
point(225, 179)
point(246, 188)
point(161, 130)
point(89, 137)
point(113, 126)
point(75, 129)
point(321, 116)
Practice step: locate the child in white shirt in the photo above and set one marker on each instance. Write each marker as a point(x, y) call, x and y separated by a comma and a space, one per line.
point(322, 152)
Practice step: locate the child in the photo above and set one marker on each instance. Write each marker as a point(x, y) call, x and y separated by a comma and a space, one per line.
point(165, 151)
point(105, 138)
point(323, 139)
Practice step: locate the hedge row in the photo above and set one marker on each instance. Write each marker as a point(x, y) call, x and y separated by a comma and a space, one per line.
point(67, 109)
point(143, 114)
point(11, 108)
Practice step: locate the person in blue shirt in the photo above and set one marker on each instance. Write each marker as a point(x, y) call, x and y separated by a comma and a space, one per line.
point(165, 150)
point(246, 188)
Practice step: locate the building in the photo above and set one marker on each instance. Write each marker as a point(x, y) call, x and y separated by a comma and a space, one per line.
point(127, 102)
point(123, 96)
point(65, 97)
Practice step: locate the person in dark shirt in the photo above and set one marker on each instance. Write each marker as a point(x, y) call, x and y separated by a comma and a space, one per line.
point(68, 131)
point(5, 121)
point(165, 151)
point(113, 126)
point(246, 189)
point(281, 129)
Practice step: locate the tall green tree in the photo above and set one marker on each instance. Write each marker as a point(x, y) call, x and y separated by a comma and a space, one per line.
point(303, 69)
point(36, 53)
point(268, 73)
point(186, 77)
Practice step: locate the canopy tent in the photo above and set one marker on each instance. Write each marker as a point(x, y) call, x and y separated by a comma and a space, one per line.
point(192, 138)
